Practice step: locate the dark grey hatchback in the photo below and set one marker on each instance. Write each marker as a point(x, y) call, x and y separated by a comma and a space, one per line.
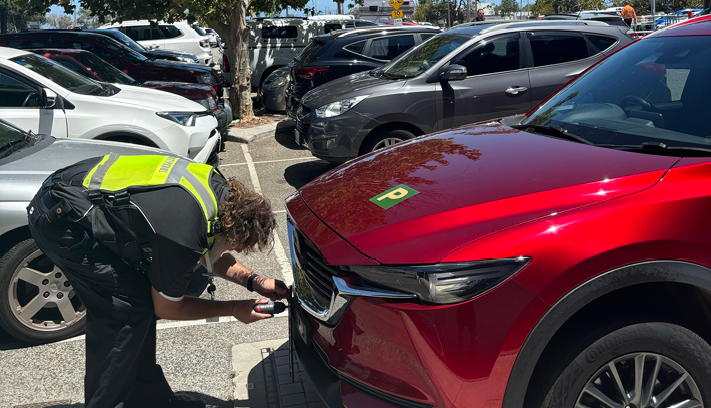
point(462, 76)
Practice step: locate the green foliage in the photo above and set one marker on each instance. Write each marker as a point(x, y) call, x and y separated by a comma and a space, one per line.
point(431, 11)
point(508, 7)
point(18, 17)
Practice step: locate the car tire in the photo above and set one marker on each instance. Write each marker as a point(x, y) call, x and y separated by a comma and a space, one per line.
point(385, 139)
point(28, 280)
point(608, 372)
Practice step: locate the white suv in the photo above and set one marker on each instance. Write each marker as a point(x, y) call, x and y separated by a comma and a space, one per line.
point(178, 36)
point(40, 95)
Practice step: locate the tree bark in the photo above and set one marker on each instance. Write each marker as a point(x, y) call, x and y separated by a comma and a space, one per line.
point(236, 38)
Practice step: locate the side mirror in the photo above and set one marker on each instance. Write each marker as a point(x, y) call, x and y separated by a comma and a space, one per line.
point(454, 72)
point(48, 98)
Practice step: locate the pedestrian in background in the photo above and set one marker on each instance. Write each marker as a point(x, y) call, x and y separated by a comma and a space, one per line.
point(480, 15)
point(628, 14)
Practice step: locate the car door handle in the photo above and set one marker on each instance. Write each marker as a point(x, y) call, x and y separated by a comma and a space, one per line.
point(514, 90)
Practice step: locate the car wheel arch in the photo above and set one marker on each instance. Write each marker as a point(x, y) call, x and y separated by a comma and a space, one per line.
point(127, 138)
point(678, 274)
point(381, 126)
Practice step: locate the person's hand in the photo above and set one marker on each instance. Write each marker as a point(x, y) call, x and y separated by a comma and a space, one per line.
point(270, 288)
point(243, 310)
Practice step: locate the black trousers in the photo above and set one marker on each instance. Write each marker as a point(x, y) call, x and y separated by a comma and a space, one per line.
point(121, 369)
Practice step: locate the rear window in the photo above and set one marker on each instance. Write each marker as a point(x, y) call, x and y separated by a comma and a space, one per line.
point(279, 32)
point(601, 42)
point(356, 47)
point(199, 30)
point(311, 53)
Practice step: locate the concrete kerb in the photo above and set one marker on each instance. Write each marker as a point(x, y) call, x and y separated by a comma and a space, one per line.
point(249, 135)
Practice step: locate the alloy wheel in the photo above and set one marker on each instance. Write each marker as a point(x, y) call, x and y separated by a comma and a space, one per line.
point(641, 380)
point(389, 141)
point(41, 297)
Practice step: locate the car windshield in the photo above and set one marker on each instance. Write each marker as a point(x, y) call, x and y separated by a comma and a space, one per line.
point(58, 74)
point(105, 71)
point(652, 93)
point(12, 139)
point(199, 30)
point(422, 57)
point(125, 40)
point(125, 52)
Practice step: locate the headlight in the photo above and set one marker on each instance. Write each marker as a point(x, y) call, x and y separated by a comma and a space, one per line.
point(279, 82)
point(208, 103)
point(338, 108)
point(204, 79)
point(182, 118)
point(447, 282)
point(186, 58)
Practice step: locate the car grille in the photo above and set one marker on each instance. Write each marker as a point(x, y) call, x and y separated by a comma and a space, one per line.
point(318, 274)
point(303, 128)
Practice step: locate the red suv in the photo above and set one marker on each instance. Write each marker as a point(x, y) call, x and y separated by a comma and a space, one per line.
point(555, 259)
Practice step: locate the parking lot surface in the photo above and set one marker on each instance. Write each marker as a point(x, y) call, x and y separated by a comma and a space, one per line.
point(195, 355)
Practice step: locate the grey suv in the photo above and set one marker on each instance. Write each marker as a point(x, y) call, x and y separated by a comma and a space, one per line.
point(462, 76)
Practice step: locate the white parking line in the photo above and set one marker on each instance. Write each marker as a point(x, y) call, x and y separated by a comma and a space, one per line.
point(278, 247)
point(270, 161)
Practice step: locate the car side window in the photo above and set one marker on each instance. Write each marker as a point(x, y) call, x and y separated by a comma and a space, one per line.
point(17, 94)
point(556, 48)
point(169, 31)
point(390, 47)
point(139, 33)
point(356, 47)
point(491, 56)
point(426, 37)
point(601, 42)
point(279, 32)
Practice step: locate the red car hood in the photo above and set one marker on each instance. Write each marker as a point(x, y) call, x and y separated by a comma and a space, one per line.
point(470, 182)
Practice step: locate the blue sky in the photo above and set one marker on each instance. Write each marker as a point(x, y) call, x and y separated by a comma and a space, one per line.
point(322, 5)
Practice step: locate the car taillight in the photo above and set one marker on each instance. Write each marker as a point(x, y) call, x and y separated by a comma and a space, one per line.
point(225, 63)
point(204, 43)
point(214, 88)
point(310, 72)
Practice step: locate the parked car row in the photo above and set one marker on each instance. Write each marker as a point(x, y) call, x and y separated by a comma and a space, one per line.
point(555, 258)
point(66, 95)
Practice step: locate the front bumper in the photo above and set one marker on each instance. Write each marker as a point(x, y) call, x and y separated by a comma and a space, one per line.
point(336, 139)
point(223, 116)
point(383, 352)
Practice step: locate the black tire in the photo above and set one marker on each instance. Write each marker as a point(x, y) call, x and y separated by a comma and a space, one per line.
point(376, 141)
point(47, 324)
point(676, 350)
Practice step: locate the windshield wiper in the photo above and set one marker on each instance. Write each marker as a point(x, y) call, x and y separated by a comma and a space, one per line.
point(377, 72)
point(392, 76)
point(555, 132)
point(661, 148)
point(13, 146)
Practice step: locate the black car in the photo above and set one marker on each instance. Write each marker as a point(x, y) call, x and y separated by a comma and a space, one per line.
point(117, 54)
point(150, 53)
point(346, 52)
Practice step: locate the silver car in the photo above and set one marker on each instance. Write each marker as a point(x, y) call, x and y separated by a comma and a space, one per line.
point(37, 303)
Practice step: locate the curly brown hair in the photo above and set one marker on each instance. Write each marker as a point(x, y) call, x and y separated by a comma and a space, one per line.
point(247, 218)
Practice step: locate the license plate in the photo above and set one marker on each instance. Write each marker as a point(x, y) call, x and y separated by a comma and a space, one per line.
point(297, 137)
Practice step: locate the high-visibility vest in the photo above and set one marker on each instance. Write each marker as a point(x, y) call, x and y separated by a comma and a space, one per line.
point(115, 173)
point(627, 13)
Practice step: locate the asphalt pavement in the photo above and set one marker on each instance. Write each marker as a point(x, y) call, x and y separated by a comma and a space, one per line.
point(197, 355)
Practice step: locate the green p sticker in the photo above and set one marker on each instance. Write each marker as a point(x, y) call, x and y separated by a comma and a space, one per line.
point(393, 196)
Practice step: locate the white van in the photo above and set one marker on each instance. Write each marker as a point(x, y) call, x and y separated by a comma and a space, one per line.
point(273, 43)
point(178, 36)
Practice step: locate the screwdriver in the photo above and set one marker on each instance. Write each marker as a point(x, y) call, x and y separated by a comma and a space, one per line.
point(270, 308)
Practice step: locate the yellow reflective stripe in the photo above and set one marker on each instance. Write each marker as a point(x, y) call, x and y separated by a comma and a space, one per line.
point(202, 173)
point(185, 183)
point(91, 172)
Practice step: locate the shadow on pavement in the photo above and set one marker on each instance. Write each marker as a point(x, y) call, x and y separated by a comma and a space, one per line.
point(209, 400)
point(300, 174)
point(284, 135)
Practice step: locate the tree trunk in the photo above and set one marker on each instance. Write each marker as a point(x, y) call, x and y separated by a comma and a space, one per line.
point(236, 39)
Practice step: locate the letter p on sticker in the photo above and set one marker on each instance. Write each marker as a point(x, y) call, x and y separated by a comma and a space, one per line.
point(395, 195)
